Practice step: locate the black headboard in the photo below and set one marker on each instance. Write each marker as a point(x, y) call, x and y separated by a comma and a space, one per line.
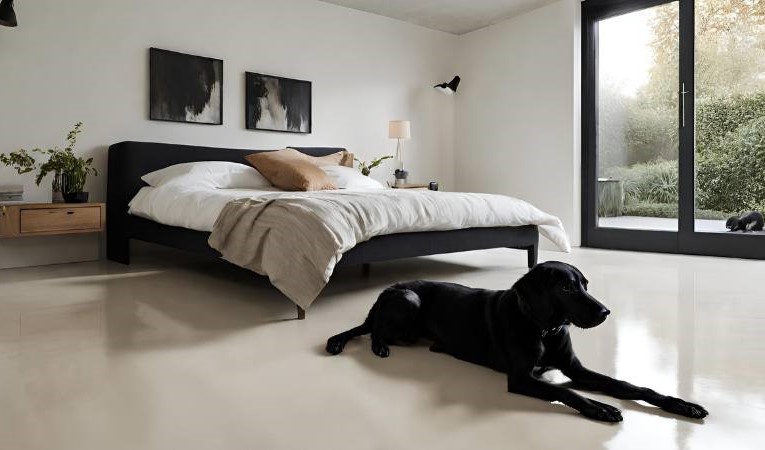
point(129, 161)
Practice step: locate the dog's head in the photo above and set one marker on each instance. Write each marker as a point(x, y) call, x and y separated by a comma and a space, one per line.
point(555, 293)
point(733, 222)
point(396, 316)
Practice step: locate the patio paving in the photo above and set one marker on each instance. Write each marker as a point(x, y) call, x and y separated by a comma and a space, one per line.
point(659, 223)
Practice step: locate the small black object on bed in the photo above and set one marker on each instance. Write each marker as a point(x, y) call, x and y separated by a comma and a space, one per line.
point(129, 161)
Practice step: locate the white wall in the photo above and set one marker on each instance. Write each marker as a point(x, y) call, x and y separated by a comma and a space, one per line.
point(518, 113)
point(85, 60)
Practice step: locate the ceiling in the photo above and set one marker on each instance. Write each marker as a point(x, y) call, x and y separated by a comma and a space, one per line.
point(452, 16)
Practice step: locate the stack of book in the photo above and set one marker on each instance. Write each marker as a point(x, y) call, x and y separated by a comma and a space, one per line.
point(11, 193)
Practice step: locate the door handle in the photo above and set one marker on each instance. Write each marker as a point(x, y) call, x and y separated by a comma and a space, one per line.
point(682, 104)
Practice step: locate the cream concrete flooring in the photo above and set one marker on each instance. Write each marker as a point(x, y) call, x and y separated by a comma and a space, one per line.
point(189, 355)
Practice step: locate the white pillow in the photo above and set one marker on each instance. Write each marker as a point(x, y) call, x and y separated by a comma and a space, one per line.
point(213, 174)
point(350, 178)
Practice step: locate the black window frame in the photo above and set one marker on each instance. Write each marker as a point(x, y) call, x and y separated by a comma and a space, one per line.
point(686, 240)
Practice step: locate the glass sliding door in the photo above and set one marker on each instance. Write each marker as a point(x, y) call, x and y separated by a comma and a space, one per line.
point(631, 133)
point(673, 126)
point(730, 113)
point(637, 119)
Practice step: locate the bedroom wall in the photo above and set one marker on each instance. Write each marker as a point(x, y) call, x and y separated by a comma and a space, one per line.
point(518, 111)
point(87, 61)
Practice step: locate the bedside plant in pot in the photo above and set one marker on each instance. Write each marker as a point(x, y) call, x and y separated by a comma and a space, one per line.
point(73, 179)
point(367, 168)
point(67, 169)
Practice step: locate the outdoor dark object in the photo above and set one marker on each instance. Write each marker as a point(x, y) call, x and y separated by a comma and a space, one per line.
point(522, 332)
point(751, 221)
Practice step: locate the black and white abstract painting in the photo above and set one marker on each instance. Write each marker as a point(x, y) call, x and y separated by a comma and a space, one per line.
point(185, 88)
point(277, 104)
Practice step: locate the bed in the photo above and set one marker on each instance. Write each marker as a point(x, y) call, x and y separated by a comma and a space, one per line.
point(129, 161)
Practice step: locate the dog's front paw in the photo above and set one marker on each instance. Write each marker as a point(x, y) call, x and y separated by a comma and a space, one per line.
point(335, 346)
point(602, 412)
point(380, 349)
point(681, 407)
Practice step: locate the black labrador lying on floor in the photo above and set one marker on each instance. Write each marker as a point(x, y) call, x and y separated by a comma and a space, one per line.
point(522, 332)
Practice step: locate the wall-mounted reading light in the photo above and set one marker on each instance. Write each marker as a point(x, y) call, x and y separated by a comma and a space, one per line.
point(7, 15)
point(449, 88)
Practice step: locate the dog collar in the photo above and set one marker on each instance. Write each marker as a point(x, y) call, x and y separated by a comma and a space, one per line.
point(551, 330)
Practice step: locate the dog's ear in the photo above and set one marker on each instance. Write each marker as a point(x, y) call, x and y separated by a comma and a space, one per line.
point(581, 276)
point(535, 299)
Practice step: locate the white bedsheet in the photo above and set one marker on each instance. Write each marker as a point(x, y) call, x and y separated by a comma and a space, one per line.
point(195, 208)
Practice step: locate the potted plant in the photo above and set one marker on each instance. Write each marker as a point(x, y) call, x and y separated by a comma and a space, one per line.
point(69, 171)
point(73, 179)
point(367, 168)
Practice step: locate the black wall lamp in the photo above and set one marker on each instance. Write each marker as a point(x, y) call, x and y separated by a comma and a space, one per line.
point(449, 88)
point(7, 15)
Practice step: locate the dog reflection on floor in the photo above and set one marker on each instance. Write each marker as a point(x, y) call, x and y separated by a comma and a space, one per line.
point(522, 332)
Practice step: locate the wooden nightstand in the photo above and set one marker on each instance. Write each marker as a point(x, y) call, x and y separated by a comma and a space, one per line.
point(49, 219)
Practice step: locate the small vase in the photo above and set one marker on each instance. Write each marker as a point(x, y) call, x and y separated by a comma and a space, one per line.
point(58, 197)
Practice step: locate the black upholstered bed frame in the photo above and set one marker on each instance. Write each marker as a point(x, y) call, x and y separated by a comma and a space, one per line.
point(129, 161)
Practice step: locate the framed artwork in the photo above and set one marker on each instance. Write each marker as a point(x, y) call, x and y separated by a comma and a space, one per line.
point(185, 88)
point(277, 104)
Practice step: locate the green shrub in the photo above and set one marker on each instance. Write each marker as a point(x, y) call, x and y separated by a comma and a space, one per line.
point(651, 134)
point(730, 173)
point(716, 118)
point(668, 210)
point(665, 210)
point(730, 158)
point(652, 182)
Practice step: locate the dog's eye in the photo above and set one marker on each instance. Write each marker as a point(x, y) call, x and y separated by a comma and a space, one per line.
point(568, 287)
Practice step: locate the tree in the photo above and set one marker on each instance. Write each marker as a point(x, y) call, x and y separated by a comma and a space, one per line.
point(730, 55)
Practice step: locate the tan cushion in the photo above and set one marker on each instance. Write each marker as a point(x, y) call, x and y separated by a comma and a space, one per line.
point(290, 172)
point(347, 159)
point(343, 158)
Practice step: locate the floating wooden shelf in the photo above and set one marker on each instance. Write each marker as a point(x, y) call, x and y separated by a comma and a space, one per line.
point(50, 219)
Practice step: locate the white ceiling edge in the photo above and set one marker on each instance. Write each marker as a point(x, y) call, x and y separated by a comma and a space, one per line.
point(456, 17)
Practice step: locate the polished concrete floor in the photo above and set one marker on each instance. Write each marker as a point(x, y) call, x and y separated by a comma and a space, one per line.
point(165, 354)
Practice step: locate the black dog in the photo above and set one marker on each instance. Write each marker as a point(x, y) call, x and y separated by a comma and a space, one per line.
point(521, 332)
point(751, 221)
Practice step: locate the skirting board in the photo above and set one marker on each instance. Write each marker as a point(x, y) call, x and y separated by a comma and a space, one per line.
point(41, 251)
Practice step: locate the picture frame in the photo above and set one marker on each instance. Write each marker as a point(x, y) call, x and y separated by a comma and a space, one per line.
point(185, 88)
point(280, 104)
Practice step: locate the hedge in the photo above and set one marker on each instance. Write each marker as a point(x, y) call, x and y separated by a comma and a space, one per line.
point(730, 157)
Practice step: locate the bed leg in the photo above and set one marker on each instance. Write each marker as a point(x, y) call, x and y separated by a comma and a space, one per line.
point(301, 313)
point(118, 248)
point(366, 269)
point(533, 255)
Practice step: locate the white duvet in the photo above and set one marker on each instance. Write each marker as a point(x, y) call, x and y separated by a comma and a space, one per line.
point(265, 230)
point(192, 207)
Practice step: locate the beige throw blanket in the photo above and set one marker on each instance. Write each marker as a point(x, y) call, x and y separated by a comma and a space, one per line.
point(297, 238)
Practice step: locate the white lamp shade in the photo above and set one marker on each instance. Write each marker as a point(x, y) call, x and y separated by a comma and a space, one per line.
point(399, 129)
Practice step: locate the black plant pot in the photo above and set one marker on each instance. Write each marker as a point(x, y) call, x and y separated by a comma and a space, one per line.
point(76, 197)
